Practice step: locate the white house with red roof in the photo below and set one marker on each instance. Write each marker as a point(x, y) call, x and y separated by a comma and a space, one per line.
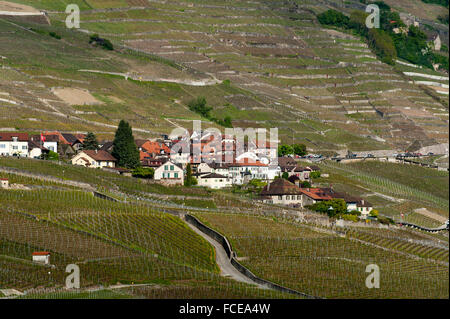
point(13, 144)
point(41, 257)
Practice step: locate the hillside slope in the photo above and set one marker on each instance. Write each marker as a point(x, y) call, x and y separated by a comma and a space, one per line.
point(318, 86)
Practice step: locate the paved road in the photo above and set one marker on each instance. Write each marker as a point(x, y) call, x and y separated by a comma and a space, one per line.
point(222, 260)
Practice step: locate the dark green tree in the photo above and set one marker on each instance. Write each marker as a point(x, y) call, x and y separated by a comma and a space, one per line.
point(285, 175)
point(299, 149)
point(90, 142)
point(189, 180)
point(305, 184)
point(332, 208)
point(285, 149)
point(124, 147)
point(199, 106)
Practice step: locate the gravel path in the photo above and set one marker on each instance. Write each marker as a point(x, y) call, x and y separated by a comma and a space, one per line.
point(222, 260)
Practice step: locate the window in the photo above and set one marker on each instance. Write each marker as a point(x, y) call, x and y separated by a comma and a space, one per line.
point(2, 145)
point(176, 175)
point(24, 147)
point(280, 197)
point(171, 167)
point(15, 147)
point(166, 167)
point(288, 197)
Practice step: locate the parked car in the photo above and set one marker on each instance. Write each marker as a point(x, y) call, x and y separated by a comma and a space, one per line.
point(370, 155)
point(430, 154)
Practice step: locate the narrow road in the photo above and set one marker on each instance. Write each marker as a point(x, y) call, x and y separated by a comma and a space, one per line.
point(224, 263)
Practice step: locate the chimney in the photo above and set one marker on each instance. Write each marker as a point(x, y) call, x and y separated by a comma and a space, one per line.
point(362, 201)
point(96, 151)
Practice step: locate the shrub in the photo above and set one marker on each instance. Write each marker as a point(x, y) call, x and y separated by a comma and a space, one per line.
point(354, 212)
point(350, 217)
point(54, 35)
point(386, 220)
point(52, 156)
point(314, 174)
point(305, 184)
point(106, 44)
point(143, 172)
point(374, 213)
point(333, 17)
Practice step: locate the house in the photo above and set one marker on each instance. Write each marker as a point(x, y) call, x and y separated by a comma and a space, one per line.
point(14, 144)
point(169, 173)
point(49, 141)
point(314, 195)
point(65, 144)
point(204, 168)
point(286, 163)
point(303, 173)
point(220, 168)
point(283, 192)
point(41, 257)
point(257, 170)
point(75, 141)
point(4, 183)
point(353, 203)
point(213, 180)
point(94, 158)
point(153, 162)
point(107, 146)
point(364, 207)
point(35, 150)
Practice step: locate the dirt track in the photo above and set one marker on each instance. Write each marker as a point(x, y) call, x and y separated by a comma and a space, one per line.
point(14, 7)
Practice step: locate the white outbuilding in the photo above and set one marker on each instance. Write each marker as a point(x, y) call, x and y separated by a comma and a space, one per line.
point(42, 257)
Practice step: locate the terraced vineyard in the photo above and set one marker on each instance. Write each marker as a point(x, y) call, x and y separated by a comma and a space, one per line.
point(327, 265)
point(422, 186)
point(264, 63)
point(111, 242)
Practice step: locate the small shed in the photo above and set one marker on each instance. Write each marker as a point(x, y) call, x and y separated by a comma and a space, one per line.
point(4, 183)
point(41, 257)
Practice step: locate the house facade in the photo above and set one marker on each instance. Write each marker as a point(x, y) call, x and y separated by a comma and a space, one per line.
point(13, 144)
point(282, 192)
point(94, 158)
point(170, 173)
point(213, 180)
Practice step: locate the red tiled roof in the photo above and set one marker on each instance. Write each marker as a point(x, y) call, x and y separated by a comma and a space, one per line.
point(7, 136)
point(247, 162)
point(41, 253)
point(316, 193)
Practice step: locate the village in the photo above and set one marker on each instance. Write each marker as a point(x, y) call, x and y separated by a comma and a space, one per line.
point(281, 180)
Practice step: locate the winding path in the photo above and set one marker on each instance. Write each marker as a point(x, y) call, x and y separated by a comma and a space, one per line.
point(222, 260)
